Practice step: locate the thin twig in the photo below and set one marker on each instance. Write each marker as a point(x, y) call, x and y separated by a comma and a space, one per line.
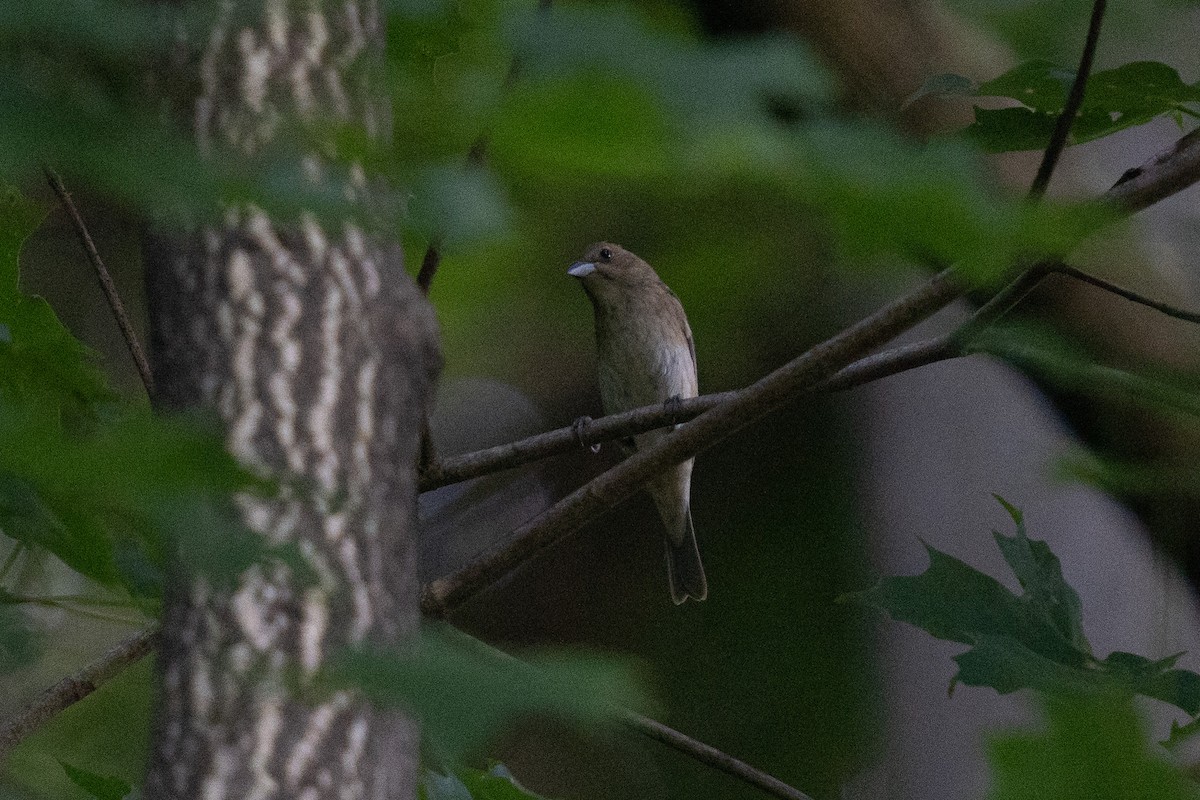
point(1100, 283)
point(707, 754)
point(701, 752)
point(429, 264)
point(73, 689)
point(106, 282)
point(1062, 128)
point(1162, 176)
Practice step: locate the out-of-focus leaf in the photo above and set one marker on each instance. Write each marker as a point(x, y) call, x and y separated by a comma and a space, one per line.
point(738, 80)
point(1092, 749)
point(41, 364)
point(886, 196)
point(587, 127)
point(103, 502)
point(461, 204)
point(101, 787)
point(107, 733)
point(20, 645)
point(473, 784)
point(464, 695)
point(1066, 364)
point(1131, 479)
point(944, 84)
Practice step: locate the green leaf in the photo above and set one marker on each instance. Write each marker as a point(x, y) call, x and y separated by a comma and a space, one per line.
point(473, 784)
point(100, 787)
point(20, 645)
point(1115, 99)
point(702, 83)
point(883, 195)
point(495, 784)
point(956, 602)
point(1092, 749)
point(41, 364)
point(566, 130)
point(946, 84)
point(1040, 574)
point(1031, 641)
point(464, 694)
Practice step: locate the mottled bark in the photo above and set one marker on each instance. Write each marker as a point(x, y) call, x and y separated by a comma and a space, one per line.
point(317, 352)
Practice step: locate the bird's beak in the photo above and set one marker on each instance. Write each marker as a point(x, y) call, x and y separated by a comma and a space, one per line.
point(581, 269)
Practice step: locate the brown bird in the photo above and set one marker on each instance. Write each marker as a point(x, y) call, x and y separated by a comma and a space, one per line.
point(646, 356)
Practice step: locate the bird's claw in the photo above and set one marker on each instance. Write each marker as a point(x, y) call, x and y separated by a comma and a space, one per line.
point(579, 427)
point(672, 406)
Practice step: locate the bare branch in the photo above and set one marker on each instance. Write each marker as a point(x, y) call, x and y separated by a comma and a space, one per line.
point(701, 752)
point(74, 688)
point(1062, 128)
point(106, 282)
point(1128, 294)
point(429, 264)
point(1166, 174)
point(639, 420)
point(707, 754)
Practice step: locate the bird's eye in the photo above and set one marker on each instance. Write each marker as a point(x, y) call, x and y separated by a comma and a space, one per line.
point(605, 254)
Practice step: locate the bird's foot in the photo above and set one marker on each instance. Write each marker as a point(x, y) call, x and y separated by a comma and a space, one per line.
point(579, 427)
point(672, 406)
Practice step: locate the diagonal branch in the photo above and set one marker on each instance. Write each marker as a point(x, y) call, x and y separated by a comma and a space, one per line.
point(707, 754)
point(652, 729)
point(106, 282)
point(1162, 176)
point(1120, 291)
point(74, 688)
point(639, 420)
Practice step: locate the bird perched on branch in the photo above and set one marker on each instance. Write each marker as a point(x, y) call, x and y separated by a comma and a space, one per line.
point(646, 356)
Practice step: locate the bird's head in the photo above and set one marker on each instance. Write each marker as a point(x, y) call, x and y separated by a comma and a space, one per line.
point(607, 269)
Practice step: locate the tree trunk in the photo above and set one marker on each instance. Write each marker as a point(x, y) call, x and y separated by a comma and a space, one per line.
point(311, 343)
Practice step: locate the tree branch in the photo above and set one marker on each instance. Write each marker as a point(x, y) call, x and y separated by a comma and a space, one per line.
point(707, 754)
point(1062, 128)
point(74, 688)
point(1100, 283)
point(639, 420)
point(106, 282)
point(692, 748)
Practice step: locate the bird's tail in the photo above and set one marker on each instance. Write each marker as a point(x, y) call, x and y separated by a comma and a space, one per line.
point(684, 569)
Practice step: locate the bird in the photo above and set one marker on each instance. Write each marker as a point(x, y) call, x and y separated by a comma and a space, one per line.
point(646, 355)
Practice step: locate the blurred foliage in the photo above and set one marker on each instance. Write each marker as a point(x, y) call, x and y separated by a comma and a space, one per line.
point(1054, 29)
point(100, 787)
point(1130, 95)
point(497, 783)
point(464, 692)
point(106, 734)
point(1034, 640)
point(1092, 748)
